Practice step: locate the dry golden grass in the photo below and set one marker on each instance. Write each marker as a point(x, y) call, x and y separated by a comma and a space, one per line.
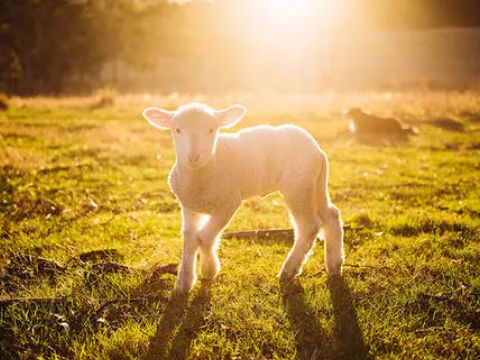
point(436, 103)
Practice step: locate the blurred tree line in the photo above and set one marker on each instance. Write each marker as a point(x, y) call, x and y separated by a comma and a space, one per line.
point(47, 45)
point(53, 46)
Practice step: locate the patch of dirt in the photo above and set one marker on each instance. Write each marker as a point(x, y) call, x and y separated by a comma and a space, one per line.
point(26, 207)
point(29, 267)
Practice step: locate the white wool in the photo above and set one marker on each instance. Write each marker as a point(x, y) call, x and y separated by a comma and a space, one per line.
point(252, 162)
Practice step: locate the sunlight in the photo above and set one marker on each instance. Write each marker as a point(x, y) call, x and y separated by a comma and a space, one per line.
point(291, 37)
point(295, 22)
point(297, 12)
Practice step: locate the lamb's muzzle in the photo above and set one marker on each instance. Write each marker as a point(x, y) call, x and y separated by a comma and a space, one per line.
point(214, 172)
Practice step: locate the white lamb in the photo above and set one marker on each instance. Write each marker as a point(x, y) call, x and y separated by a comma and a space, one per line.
point(215, 172)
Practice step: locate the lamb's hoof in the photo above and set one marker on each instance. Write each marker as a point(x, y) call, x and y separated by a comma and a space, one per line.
point(209, 274)
point(181, 292)
point(335, 271)
point(285, 277)
point(183, 286)
point(207, 280)
point(291, 287)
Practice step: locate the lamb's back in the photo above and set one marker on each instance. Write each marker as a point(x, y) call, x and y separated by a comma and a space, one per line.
point(258, 157)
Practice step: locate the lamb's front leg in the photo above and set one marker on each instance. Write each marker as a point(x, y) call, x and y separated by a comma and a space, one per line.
point(190, 227)
point(208, 240)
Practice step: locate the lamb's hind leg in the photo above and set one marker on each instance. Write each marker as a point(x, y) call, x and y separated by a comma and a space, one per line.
point(333, 232)
point(307, 226)
point(332, 227)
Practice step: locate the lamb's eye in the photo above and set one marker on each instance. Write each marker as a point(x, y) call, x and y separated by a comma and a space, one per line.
point(211, 131)
point(178, 131)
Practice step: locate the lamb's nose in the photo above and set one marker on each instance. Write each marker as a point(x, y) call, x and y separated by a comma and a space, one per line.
point(193, 158)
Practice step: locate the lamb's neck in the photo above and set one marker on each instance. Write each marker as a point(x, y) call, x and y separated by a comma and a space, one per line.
point(197, 175)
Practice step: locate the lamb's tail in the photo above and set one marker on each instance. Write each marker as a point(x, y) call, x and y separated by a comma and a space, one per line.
point(325, 207)
point(323, 198)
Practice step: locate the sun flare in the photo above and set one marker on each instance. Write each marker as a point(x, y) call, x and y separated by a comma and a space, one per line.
point(294, 24)
point(300, 11)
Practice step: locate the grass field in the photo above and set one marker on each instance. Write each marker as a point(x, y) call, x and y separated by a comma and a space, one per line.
point(75, 177)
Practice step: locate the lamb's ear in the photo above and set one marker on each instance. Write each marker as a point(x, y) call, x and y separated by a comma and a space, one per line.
point(230, 116)
point(161, 119)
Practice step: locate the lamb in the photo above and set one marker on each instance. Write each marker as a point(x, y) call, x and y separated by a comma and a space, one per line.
point(214, 172)
point(364, 123)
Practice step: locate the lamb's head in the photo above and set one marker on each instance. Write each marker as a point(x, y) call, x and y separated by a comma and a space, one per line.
point(354, 112)
point(194, 129)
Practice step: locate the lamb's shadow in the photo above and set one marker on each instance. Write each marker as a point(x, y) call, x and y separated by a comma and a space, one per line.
point(311, 340)
point(348, 336)
point(187, 318)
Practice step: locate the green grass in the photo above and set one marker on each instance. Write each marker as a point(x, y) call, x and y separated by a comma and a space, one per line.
point(73, 179)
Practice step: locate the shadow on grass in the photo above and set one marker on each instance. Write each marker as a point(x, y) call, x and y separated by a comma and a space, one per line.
point(347, 333)
point(311, 339)
point(179, 325)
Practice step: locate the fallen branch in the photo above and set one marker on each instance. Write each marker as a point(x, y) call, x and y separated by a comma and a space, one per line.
point(286, 233)
point(263, 234)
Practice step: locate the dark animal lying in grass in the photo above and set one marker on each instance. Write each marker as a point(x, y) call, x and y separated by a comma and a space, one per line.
point(363, 123)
